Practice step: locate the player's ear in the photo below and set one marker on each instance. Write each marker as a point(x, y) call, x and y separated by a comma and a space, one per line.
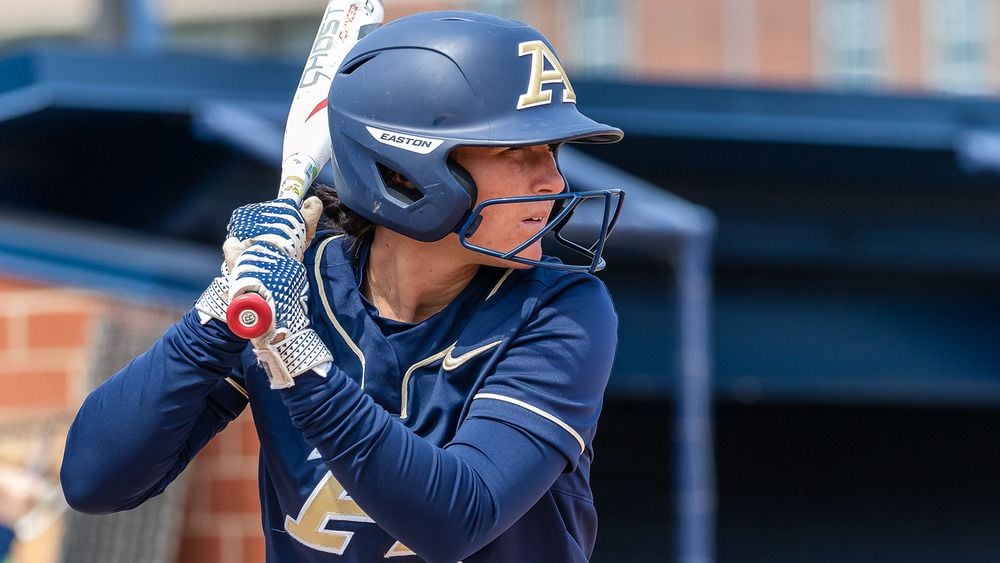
point(394, 179)
point(398, 185)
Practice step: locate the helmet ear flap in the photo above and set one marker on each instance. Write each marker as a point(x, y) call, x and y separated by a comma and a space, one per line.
point(464, 179)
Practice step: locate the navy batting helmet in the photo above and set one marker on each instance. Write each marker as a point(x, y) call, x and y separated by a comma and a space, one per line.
point(410, 92)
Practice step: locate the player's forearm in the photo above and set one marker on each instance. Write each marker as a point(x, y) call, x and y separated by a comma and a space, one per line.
point(444, 504)
point(140, 428)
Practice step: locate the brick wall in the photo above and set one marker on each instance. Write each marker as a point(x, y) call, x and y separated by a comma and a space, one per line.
point(53, 343)
point(43, 336)
point(222, 518)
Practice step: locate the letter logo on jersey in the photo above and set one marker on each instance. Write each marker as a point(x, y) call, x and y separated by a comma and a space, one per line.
point(540, 76)
point(412, 143)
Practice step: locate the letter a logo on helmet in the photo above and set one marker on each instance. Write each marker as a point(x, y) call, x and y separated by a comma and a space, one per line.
point(540, 54)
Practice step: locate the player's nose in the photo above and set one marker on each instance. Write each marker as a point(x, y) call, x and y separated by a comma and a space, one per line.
point(546, 176)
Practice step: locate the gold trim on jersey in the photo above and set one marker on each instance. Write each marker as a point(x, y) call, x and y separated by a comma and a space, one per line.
point(448, 362)
point(405, 394)
point(398, 550)
point(329, 311)
point(496, 288)
point(538, 411)
point(239, 388)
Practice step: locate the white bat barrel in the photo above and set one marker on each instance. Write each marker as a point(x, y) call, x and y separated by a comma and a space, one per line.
point(306, 148)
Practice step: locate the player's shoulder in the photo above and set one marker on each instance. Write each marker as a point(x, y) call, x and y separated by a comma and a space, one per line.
point(573, 293)
point(331, 256)
point(553, 281)
point(330, 247)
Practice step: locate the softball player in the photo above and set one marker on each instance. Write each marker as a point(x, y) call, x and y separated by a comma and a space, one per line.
point(432, 384)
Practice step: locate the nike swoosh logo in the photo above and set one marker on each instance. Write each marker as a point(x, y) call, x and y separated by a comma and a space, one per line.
point(451, 362)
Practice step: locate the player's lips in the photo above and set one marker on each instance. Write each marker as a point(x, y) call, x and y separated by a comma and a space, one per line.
point(536, 217)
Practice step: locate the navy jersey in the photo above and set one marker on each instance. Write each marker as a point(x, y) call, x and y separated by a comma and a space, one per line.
point(467, 435)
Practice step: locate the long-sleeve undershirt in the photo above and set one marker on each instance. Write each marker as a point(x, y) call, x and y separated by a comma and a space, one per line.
point(140, 429)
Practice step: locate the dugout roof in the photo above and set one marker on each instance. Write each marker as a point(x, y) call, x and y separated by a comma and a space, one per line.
point(755, 157)
point(116, 150)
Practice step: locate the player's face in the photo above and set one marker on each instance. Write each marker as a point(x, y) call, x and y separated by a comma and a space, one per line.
point(510, 172)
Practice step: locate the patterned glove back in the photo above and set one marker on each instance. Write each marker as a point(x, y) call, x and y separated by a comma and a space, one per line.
point(215, 299)
point(267, 270)
point(278, 222)
point(291, 347)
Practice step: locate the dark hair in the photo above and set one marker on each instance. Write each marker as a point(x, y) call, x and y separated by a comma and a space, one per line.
point(338, 217)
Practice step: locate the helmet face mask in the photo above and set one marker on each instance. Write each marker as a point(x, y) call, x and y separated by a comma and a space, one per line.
point(566, 205)
point(412, 91)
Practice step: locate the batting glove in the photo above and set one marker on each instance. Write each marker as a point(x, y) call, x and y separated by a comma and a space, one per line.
point(280, 223)
point(215, 300)
point(291, 347)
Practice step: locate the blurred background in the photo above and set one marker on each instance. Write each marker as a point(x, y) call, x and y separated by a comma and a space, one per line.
point(807, 271)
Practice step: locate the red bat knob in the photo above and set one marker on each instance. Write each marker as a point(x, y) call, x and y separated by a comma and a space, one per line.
point(249, 316)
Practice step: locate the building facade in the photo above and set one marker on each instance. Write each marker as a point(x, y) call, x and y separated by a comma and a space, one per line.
point(895, 45)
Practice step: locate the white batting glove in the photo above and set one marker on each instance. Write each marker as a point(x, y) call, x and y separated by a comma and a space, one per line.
point(215, 299)
point(291, 347)
point(280, 223)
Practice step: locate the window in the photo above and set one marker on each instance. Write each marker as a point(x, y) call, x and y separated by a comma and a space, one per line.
point(958, 34)
point(288, 38)
point(598, 35)
point(852, 42)
point(504, 8)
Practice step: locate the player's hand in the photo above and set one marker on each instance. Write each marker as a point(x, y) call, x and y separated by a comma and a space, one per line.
point(278, 222)
point(29, 503)
point(291, 347)
point(18, 493)
point(215, 299)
